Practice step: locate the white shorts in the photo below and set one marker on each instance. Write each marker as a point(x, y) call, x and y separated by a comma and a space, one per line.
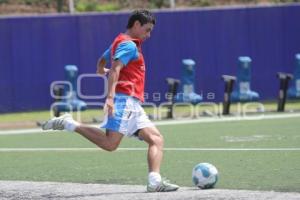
point(129, 116)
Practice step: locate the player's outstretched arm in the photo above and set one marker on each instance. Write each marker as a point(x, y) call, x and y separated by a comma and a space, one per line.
point(113, 78)
point(101, 66)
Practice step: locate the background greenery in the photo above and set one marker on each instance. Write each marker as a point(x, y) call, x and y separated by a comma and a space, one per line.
point(44, 6)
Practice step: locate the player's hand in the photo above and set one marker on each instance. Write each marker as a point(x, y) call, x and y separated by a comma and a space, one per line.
point(109, 106)
point(102, 70)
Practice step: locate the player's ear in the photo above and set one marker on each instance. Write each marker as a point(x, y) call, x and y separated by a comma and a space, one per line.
point(137, 23)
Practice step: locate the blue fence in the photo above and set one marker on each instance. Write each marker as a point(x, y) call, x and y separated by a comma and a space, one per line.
point(35, 49)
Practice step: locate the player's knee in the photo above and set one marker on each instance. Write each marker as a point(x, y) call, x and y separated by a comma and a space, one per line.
point(111, 147)
point(158, 140)
point(161, 140)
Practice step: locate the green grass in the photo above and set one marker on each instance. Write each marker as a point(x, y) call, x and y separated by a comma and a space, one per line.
point(254, 170)
point(90, 114)
point(45, 115)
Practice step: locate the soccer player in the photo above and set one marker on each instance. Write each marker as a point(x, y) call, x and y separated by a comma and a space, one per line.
point(124, 114)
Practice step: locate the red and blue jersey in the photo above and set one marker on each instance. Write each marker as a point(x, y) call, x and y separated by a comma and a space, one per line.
point(132, 76)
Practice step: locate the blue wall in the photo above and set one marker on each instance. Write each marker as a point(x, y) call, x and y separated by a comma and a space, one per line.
point(35, 49)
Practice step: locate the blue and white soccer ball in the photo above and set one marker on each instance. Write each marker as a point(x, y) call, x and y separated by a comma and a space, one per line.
point(205, 175)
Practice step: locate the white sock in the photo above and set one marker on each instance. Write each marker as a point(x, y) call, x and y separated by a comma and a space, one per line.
point(154, 178)
point(71, 125)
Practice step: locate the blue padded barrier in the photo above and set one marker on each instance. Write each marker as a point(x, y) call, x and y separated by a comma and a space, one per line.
point(294, 90)
point(243, 92)
point(70, 101)
point(187, 88)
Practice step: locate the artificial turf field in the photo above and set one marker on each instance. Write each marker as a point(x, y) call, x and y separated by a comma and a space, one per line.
point(256, 155)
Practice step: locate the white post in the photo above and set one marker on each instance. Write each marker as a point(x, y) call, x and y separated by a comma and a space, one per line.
point(71, 6)
point(172, 4)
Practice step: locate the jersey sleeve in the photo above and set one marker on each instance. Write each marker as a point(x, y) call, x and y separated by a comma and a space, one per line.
point(125, 52)
point(106, 54)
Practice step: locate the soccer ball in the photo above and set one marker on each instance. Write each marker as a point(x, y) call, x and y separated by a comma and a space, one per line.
point(205, 175)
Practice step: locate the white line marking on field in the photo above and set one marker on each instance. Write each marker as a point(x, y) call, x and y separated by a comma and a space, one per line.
point(145, 149)
point(24, 131)
point(178, 122)
point(226, 119)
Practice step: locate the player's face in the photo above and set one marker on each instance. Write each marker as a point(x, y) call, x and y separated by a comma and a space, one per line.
point(144, 31)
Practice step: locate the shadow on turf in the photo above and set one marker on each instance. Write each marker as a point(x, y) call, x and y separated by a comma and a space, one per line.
point(51, 196)
point(107, 194)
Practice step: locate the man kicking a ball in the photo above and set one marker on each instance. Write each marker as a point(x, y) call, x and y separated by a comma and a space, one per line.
point(125, 116)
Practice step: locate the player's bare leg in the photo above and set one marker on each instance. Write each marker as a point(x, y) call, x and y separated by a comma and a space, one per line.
point(155, 154)
point(155, 150)
point(109, 142)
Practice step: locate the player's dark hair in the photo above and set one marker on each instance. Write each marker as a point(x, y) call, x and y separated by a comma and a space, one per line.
point(143, 16)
